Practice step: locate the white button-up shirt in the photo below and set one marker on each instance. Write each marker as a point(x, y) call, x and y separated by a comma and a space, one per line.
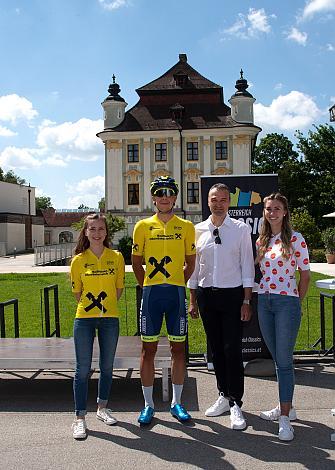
point(229, 264)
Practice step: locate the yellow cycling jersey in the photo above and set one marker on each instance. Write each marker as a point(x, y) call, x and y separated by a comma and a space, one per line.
point(97, 279)
point(164, 247)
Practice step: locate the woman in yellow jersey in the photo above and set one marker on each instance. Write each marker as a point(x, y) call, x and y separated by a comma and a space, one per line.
point(97, 276)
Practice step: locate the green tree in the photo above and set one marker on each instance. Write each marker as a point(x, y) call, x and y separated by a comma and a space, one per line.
point(102, 204)
point(11, 177)
point(275, 154)
point(114, 223)
point(43, 202)
point(318, 151)
point(304, 223)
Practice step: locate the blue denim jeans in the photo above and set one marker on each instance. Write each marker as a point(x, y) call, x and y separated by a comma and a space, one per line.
point(83, 334)
point(279, 319)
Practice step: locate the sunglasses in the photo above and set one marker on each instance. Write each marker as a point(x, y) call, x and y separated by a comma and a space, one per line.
point(164, 192)
point(217, 239)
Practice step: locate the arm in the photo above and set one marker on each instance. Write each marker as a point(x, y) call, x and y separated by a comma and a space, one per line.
point(118, 293)
point(139, 272)
point(193, 307)
point(189, 266)
point(77, 295)
point(246, 310)
point(305, 277)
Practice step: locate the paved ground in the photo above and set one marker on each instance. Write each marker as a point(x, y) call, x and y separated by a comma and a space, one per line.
point(36, 416)
point(25, 264)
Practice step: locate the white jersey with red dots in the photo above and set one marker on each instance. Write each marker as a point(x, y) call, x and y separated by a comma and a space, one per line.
point(279, 273)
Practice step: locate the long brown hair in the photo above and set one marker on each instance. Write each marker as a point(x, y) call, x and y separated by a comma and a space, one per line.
point(83, 242)
point(266, 232)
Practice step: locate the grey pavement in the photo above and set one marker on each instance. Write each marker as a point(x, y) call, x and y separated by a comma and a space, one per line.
point(25, 264)
point(36, 416)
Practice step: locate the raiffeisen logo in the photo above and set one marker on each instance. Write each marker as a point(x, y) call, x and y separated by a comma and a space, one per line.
point(245, 199)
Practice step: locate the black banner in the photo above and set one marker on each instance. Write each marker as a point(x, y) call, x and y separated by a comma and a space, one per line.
point(246, 204)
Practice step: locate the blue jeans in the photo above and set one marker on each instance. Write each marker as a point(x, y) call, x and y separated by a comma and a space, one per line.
point(279, 319)
point(83, 334)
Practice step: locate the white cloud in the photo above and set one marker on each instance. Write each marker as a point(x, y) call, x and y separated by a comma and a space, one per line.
point(317, 6)
point(57, 145)
point(21, 158)
point(332, 99)
point(255, 23)
point(5, 132)
point(289, 112)
point(14, 108)
point(330, 47)
point(88, 191)
point(278, 86)
point(113, 4)
point(297, 36)
point(73, 140)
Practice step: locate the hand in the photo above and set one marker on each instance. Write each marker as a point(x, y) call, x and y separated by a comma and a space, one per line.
point(246, 312)
point(193, 311)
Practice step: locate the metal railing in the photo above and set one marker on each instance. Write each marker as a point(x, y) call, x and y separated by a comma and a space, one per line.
point(15, 304)
point(53, 254)
point(46, 292)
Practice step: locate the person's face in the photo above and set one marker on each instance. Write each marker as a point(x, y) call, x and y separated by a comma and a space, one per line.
point(218, 202)
point(164, 203)
point(96, 232)
point(274, 212)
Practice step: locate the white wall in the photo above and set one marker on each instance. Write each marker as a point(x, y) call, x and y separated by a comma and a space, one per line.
point(37, 235)
point(15, 237)
point(14, 198)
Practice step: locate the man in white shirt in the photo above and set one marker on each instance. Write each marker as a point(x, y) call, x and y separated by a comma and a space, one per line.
point(221, 290)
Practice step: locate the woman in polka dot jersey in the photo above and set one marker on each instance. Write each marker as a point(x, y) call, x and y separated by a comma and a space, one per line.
point(280, 252)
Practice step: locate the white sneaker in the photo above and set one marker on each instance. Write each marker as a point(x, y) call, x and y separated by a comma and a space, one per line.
point(104, 414)
point(274, 414)
point(286, 432)
point(79, 429)
point(237, 420)
point(220, 406)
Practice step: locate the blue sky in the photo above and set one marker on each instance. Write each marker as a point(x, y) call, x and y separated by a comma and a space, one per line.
point(58, 58)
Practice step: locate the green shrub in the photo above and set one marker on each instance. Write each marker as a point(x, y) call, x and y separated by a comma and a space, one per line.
point(317, 255)
point(304, 223)
point(125, 244)
point(328, 238)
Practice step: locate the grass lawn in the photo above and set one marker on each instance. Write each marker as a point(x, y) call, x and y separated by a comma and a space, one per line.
point(28, 289)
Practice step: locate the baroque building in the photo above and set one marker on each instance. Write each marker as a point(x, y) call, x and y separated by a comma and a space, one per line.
point(180, 127)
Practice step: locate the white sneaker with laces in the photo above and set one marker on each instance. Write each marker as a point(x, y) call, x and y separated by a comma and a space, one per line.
point(286, 432)
point(220, 406)
point(236, 418)
point(104, 414)
point(274, 414)
point(79, 429)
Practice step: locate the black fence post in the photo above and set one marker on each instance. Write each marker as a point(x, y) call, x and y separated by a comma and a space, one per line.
point(15, 304)
point(46, 290)
point(322, 322)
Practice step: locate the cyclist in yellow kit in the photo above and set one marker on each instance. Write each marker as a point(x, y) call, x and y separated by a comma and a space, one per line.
point(167, 245)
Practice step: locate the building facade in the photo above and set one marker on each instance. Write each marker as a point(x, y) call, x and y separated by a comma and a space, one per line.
point(20, 228)
point(180, 127)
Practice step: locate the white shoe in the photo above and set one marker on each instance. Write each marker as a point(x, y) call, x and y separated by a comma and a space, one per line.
point(79, 429)
point(274, 414)
point(286, 432)
point(220, 406)
point(237, 420)
point(104, 414)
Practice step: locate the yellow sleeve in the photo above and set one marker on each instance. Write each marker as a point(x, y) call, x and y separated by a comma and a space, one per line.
point(75, 271)
point(138, 239)
point(120, 272)
point(190, 240)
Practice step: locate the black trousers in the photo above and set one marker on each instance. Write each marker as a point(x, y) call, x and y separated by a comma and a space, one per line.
point(220, 311)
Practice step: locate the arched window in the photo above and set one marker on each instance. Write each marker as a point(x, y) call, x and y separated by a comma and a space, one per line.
point(66, 237)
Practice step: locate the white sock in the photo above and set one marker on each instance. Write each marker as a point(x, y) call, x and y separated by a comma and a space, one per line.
point(176, 397)
point(147, 394)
